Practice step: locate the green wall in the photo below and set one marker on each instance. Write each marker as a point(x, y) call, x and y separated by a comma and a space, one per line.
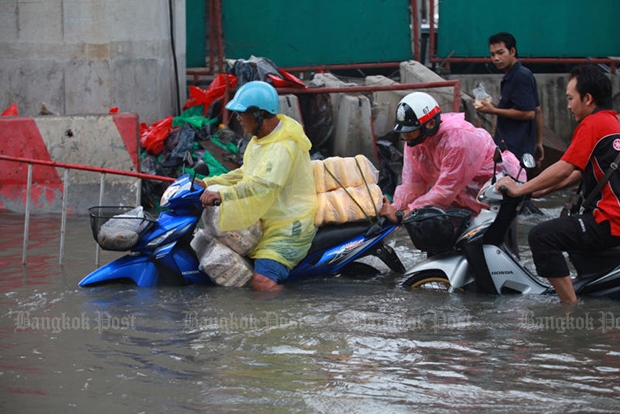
point(196, 32)
point(300, 33)
point(549, 28)
point(324, 32)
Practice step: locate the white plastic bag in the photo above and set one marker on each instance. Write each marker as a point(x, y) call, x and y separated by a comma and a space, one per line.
point(122, 231)
point(223, 265)
point(241, 241)
point(480, 95)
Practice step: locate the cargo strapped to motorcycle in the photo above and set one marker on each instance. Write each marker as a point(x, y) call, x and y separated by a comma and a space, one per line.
point(372, 220)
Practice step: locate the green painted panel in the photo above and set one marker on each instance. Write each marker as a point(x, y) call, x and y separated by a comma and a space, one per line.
point(550, 28)
point(195, 16)
point(318, 32)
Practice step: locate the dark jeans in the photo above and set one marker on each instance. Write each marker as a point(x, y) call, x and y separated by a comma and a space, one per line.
point(549, 239)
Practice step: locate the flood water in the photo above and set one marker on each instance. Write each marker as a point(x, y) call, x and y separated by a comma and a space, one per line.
point(322, 346)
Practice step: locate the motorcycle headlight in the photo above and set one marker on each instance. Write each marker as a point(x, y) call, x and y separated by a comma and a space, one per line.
point(168, 194)
point(481, 194)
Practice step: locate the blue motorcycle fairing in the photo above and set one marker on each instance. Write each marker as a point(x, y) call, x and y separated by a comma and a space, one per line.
point(166, 222)
point(178, 266)
point(332, 260)
point(175, 266)
point(138, 268)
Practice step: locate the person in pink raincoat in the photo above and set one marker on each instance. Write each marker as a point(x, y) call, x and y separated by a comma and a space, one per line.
point(446, 160)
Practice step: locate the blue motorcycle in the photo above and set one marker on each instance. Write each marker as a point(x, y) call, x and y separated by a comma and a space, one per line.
point(160, 251)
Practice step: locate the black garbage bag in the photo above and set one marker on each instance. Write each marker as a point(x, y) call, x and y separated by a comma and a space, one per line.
point(391, 162)
point(317, 113)
point(231, 139)
point(245, 72)
point(214, 111)
point(182, 141)
point(152, 190)
point(255, 68)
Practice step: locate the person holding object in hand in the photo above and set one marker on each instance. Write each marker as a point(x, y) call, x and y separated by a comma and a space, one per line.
point(519, 125)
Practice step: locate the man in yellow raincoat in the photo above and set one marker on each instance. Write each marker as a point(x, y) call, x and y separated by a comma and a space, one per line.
point(274, 185)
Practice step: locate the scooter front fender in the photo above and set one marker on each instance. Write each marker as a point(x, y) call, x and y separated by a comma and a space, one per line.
point(139, 269)
point(451, 264)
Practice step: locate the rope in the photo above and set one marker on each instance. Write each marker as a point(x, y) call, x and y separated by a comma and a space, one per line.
point(349, 194)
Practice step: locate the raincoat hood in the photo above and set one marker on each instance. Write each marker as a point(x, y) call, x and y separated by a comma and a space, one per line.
point(288, 129)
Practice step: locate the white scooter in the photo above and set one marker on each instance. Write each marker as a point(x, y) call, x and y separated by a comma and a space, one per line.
point(474, 254)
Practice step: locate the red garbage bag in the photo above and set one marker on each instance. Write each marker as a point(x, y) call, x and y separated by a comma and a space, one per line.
point(286, 80)
point(216, 90)
point(11, 111)
point(152, 138)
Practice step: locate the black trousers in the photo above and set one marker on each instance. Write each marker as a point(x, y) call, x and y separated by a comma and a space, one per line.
point(565, 234)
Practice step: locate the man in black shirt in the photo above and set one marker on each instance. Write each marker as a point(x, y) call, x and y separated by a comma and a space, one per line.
point(519, 117)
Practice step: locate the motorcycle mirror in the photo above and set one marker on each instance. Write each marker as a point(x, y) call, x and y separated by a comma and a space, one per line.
point(497, 158)
point(201, 168)
point(528, 161)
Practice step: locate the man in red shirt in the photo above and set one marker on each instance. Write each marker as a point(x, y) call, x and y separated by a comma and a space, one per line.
point(594, 146)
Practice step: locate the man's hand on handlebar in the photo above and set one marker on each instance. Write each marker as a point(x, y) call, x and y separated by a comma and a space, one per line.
point(210, 198)
point(507, 185)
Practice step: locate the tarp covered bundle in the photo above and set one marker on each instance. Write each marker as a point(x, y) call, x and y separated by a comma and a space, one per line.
point(347, 190)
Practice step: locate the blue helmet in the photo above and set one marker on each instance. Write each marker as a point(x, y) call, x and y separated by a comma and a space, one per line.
point(255, 95)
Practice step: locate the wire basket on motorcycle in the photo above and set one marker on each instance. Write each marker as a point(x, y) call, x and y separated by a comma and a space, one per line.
point(119, 227)
point(433, 230)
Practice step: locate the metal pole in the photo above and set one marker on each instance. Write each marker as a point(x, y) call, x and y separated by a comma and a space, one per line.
point(101, 190)
point(139, 192)
point(63, 223)
point(374, 88)
point(27, 218)
point(220, 36)
point(415, 25)
point(88, 168)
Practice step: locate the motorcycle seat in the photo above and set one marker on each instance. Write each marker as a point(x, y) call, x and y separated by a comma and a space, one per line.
point(595, 263)
point(334, 234)
point(613, 252)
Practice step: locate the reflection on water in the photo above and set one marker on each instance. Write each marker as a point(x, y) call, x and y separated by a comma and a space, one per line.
point(333, 346)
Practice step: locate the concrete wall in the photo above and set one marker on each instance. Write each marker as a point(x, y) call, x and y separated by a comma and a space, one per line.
point(87, 56)
point(551, 90)
point(552, 93)
point(353, 117)
point(104, 141)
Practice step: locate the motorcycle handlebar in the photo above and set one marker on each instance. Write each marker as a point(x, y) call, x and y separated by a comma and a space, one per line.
point(216, 203)
point(503, 189)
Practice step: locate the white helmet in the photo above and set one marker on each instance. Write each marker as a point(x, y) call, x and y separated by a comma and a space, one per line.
point(415, 110)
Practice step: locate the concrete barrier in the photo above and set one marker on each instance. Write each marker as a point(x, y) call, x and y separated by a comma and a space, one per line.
point(353, 133)
point(386, 102)
point(104, 141)
point(552, 94)
point(289, 106)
